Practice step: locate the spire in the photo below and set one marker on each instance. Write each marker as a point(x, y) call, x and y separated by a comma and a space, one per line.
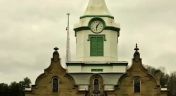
point(55, 54)
point(136, 53)
point(97, 7)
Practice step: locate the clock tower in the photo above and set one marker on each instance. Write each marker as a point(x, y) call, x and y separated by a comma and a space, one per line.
point(97, 34)
point(97, 69)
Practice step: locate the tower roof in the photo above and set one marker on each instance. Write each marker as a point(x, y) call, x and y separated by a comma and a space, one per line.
point(97, 7)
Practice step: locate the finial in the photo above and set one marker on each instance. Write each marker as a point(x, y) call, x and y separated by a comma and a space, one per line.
point(55, 54)
point(136, 47)
point(136, 53)
point(56, 48)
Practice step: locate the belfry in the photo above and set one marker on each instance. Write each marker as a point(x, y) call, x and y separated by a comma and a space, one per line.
point(96, 70)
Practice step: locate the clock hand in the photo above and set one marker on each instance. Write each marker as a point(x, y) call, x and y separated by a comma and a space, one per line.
point(97, 25)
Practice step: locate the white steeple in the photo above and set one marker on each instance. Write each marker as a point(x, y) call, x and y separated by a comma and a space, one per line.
point(97, 7)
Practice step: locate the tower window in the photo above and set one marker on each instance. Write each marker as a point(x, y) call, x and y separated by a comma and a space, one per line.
point(137, 85)
point(96, 46)
point(55, 84)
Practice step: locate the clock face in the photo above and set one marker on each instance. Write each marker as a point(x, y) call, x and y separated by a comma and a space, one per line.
point(97, 26)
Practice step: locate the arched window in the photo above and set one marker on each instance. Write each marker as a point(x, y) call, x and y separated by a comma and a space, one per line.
point(137, 85)
point(55, 84)
point(96, 87)
point(96, 84)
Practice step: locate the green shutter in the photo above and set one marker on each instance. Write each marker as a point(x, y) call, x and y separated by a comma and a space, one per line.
point(93, 46)
point(96, 46)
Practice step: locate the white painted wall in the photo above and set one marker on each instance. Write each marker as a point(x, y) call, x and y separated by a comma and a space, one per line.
point(74, 69)
point(109, 80)
point(120, 69)
point(87, 69)
point(110, 45)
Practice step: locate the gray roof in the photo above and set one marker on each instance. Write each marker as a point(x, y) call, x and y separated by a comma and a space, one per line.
point(97, 7)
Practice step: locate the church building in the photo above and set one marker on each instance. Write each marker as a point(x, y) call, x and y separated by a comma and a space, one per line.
point(97, 70)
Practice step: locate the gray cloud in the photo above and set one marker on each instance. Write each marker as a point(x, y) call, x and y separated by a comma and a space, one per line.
point(29, 29)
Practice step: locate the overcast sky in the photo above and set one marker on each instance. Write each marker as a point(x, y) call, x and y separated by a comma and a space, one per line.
point(30, 29)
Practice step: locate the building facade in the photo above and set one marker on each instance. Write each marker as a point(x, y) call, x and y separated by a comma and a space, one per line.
point(97, 70)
